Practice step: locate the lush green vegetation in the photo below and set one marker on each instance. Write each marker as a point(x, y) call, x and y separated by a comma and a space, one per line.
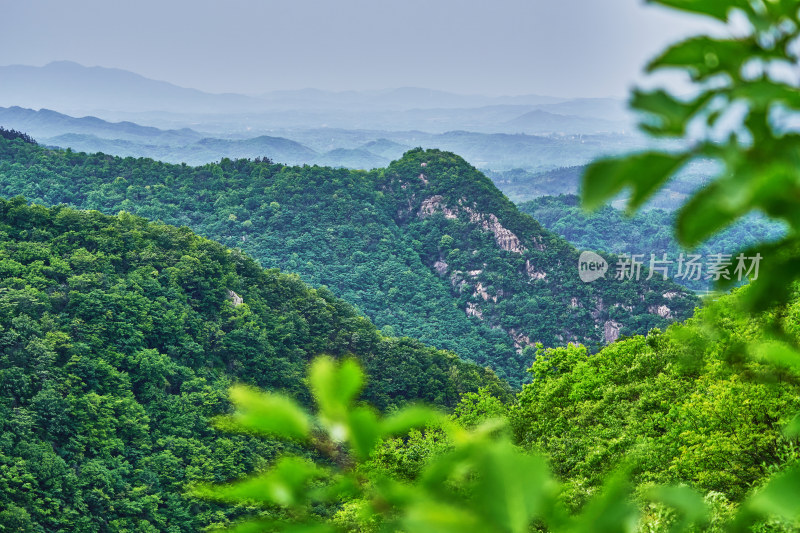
point(443, 258)
point(663, 431)
point(648, 232)
point(690, 406)
point(118, 341)
point(120, 338)
point(711, 403)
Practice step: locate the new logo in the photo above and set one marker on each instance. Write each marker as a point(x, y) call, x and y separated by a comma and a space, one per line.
point(591, 267)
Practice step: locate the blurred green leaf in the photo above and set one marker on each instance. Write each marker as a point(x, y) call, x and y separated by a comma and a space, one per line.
point(265, 413)
point(438, 517)
point(686, 501)
point(778, 353)
point(704, 56)
point(764, 92)
point(714, 8)
point(513, 487)
point(285, 485)
point(268, 526)
point(706, 213)
point(779, 497)
point(335, 386)
point(342, 487)
point(792, 429)
point(406, 419)
point(644, 173)
point(672, 115)
point(779, 267)
point(364, 431)
point(611, 511)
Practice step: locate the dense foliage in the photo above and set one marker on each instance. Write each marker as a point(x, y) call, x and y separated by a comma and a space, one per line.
point(710, 403)
point(648, 232)
point(467, 479)
point(118, 341)
point(708, 406)
point(689, 406)
point(657, 432)
point(444, 258)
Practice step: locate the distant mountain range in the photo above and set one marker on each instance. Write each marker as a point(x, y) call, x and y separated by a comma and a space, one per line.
point(539, 121)
point(73, 88)
point(363, 149)
point(114, 95)
point(46, 123)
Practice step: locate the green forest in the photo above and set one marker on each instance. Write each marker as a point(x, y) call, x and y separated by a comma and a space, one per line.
point(252, 347)
point(427, 248)
point(120, 339)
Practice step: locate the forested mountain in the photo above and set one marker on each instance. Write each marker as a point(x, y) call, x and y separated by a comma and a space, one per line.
point(118, 341)
point(649, 232)
point(427, 248)
point(121, 337)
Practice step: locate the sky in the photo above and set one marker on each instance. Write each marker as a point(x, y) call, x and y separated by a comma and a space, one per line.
point(566, 48)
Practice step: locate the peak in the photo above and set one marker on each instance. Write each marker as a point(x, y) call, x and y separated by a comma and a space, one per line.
point(435, 166)
point(423, 173)
point(64, 64)
point(430, 157)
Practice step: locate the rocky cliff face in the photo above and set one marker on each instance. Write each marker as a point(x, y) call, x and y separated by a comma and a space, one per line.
point(507, 271)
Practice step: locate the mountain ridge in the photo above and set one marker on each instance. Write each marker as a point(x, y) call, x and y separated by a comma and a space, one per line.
point(376, 239)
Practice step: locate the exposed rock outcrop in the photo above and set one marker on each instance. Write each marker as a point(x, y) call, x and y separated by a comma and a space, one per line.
point(481, 291)
point(235, 298)
point(457, 280)
point(661, 310)
point(474, 310)
point(532, 272)
point(504, 238)
point(520, 340)
point(611, 330)
point(599, 308)
point(432, 205)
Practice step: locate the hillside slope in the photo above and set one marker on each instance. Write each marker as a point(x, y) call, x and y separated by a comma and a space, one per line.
point(376, 240)
point(697, 405)
point(118, 341)
point(506, 269)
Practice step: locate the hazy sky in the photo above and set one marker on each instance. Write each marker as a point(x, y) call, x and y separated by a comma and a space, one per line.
point(554, 47)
